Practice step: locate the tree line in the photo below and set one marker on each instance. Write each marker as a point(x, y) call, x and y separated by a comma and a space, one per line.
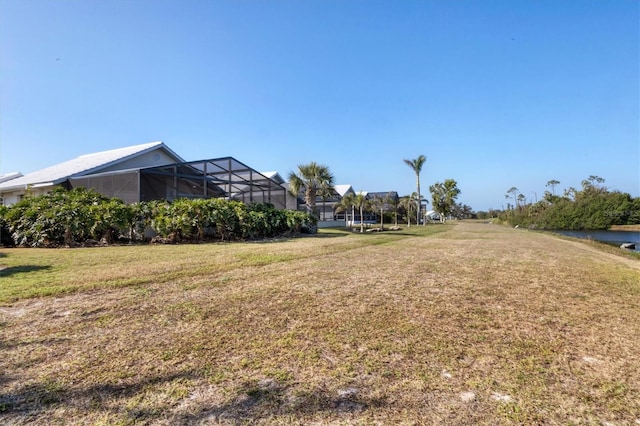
point(591, 207)
point(315, 181)
point(83, 216)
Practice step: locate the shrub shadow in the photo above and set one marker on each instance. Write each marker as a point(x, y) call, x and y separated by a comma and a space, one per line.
point(12, 270)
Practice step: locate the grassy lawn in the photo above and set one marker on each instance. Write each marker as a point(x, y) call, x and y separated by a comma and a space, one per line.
point(445, 324)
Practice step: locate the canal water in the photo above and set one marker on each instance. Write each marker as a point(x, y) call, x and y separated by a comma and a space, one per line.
point(610, 237)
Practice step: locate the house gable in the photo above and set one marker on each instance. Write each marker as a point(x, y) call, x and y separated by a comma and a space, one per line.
point(41, 181)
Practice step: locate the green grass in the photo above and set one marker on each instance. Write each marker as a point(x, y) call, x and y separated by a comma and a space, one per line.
point(338, 328)
point(31, 273)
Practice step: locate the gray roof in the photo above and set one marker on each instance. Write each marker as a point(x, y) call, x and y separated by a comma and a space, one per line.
point(82, 166)
point(390, 194)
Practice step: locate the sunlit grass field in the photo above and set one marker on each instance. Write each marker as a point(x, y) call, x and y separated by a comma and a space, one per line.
point(467, 323)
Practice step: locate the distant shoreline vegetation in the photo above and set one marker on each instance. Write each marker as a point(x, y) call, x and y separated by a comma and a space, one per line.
point(593, 207)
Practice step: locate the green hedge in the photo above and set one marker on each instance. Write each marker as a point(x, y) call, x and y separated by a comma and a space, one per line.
point(81, 216)
point(589, 209)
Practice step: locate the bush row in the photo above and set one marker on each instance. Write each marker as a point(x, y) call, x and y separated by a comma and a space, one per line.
point(82, 216)
point(589, 209)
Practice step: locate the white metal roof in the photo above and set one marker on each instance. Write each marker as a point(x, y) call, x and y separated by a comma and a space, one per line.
point(82, 165)
point(9, 176)
point(273, 175)
point(342, 189)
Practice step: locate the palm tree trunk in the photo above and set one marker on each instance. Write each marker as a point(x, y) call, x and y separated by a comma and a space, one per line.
point(419, 201)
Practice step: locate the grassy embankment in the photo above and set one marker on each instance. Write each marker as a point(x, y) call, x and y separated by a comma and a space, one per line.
point(460, 324)
point(625, 228)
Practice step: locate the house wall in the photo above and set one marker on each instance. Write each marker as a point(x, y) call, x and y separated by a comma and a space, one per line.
point(10, 198)
point(157, 157)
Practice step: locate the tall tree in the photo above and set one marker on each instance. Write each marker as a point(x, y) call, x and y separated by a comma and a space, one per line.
point(522, 199)
point(552, 183)
point(416, 165)
point(513, 193)
point(313, 179)
point(444, 197)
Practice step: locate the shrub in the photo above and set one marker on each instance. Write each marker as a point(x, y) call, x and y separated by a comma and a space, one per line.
point(80, 215)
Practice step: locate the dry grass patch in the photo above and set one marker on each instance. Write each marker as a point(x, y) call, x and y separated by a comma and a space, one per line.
point(472, 324)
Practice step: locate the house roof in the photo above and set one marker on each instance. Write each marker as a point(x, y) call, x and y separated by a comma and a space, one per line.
point(342, 190)
point(273, 175)
point(83, 165)
point(390, 194)
point(9, 176)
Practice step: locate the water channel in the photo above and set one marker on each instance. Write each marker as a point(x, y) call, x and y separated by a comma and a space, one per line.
point(610, 237)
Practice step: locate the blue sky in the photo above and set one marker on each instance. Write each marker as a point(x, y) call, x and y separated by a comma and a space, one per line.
point(494, 93)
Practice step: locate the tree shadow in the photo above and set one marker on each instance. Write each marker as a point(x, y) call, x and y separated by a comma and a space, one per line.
point(253, 401)
point(12, 270)
point(332, 232)
point(29, 399)
point(259, 402)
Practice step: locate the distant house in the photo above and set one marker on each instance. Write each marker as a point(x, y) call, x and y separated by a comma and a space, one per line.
point(327, 207)
point(347, 217)
point(432, 215)
point(388, 201)
point(148, 172)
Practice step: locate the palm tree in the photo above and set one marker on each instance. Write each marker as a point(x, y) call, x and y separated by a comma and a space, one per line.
point(353, 201)
point(408, 203)
point(324, 192)
point(311, 178)
point(382, 203)
point(416, 164)
point(362, 203)
point(395, 203)
point(345, 204)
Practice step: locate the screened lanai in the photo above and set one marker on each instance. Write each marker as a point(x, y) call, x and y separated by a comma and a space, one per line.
point(216, 178)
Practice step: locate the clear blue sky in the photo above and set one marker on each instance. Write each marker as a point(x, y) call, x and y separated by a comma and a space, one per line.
point(495, 93)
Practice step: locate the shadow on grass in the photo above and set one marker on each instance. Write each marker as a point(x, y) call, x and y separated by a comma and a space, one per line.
point(326, 235)
point(12, 270)
point(250, 403)
point(32, 398)
point(255, 402)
